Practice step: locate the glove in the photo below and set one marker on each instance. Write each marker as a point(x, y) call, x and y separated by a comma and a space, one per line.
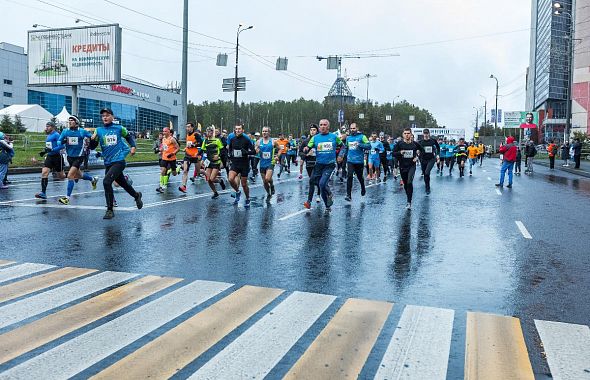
point(98, 154)
point(156, 150)
point(45, 151)
point(169, 155)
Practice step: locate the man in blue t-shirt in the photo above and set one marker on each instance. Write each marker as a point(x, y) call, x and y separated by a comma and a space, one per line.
point(355, 146)
point(114, 150)
point(325, 144)
point(54, 162)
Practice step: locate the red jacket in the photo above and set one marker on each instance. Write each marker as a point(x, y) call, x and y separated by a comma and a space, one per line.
point(509, 152)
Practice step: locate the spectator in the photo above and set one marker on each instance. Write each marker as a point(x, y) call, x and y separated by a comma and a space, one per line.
point(552, 150)
point(530, 152)
point(577, 152)
point(6, 154)
point(508, 151)
point(517, 163)
point(565, 153)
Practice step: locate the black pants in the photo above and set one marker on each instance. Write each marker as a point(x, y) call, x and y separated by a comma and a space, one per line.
point(312, 184)
point(254, 165)
point(551, 162)
point(517, 166)
point(114, 172)
point(352, 170)
point(427, 166)
point(577, 161)
point(408, 178)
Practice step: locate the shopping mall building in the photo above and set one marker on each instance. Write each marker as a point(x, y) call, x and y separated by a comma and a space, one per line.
point(137, 104)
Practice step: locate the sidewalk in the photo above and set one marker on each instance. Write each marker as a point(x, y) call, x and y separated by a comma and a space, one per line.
point(584, 170)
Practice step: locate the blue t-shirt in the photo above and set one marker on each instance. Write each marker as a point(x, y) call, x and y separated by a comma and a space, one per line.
point(325, 147)
point(450, 150)
point(110, 138)
point(355, 145)
point(390, 152)
point(376, 148)
point(51, 143)
point(292, 148)
point(74, 140)
point(267, 153)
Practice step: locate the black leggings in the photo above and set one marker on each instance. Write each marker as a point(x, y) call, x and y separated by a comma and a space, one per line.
point(352, 170)
point(312, 184)
point(427, 166)
point(114, 172)
point(408, 177)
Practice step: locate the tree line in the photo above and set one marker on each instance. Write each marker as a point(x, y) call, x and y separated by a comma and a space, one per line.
point(294, 117)
point(10, 127)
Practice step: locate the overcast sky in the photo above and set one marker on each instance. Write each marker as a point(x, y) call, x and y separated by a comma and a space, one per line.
point(447, 48)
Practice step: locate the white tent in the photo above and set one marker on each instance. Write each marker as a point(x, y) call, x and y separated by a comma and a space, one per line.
point(63, 116)
point(33, 116)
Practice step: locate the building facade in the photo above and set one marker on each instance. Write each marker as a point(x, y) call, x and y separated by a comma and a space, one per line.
point(548, 75)
point(137, 104)
point(581, 89)
point(13, 75)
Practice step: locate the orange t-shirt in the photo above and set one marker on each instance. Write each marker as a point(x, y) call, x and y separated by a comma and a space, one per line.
point(191, 145)
point(168, 148)
point(472, 151)
point(283, 144)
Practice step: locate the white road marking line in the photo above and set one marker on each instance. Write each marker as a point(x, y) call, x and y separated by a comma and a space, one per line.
point(489, 178)
point(523, 229)
point(485, 171)
point(22, 270)
point(69, 207)
point(567, 347)
point(420, 346)
point(498, 192)
point(74, 356)
point(28, 307)
point(289, 216)
point(255, 353)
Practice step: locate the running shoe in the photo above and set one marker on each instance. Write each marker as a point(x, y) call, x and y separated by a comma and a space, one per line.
point(348, 198)
point(115, 204)
point(307, 205)
point(182, 188)
point(41, 195)
point(138, 201)
point(110, 214)
point(247, 203)
point(192, 179)
point(427, 191)
point(215, 195)
point(64, 200)
point(94, 182)
point(300, 176)
point(272, 189)
point(238, 194)
point(327, 211)
point(330, 201)
point(401, 183)
point(222, 183)
point(160, 189)
point(509, 186)
point(3, 187)
point(408, 206)
point(318, 199)
point(363, 192)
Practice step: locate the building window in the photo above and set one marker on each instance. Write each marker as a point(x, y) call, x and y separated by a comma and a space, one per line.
point(175, 102)
point(158, 99)
point(7, 81)
point(8, 94)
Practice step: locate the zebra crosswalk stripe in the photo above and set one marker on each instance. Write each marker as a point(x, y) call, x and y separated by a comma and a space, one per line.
point(22, 270)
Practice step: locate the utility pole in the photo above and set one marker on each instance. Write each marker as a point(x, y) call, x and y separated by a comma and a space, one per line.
point(240, 30)
point(184, 84)
point(495, 111)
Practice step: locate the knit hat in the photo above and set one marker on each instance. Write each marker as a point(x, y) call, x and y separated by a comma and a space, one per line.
point(509, 139)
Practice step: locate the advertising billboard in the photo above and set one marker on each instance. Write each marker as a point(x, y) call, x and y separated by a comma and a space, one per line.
point(520, 119)
point(72, 56)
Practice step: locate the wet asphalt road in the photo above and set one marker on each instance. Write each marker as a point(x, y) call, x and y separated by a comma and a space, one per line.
point(458, 248)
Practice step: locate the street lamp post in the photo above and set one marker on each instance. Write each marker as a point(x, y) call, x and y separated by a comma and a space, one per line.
point(495, 111)
point(568, 113)
point(476, 120)
point(240, 30)
point(485, 111)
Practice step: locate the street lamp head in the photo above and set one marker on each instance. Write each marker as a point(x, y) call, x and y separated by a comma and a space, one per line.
point(250, 27)
point(491, 76)
point(556, 5)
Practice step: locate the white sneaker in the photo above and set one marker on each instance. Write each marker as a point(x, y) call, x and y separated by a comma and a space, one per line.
point(318, 199)
point(408, 206)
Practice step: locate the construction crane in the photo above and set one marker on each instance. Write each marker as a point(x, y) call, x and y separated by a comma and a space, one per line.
point(366, 77)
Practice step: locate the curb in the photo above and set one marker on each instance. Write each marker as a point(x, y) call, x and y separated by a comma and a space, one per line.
point(579, 172)
point(37, 169)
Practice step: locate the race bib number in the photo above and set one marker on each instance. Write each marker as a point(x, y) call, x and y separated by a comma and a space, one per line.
point(325, 147)
point(353, 145)
point(407, 153)
point(282, 147)
point(373, 151)
point(48, 145)
point(164, 147)
point(462, 149)
point(72, 141)
point(237, 153)
point(206, 163)
point(311, 153)
point(266, 155)
point(189, 144)
point(428, 149)
point(111, 140)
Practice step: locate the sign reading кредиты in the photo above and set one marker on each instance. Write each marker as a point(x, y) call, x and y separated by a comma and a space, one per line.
point(70, 56)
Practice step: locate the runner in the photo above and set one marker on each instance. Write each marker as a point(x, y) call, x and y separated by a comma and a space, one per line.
point(450, 159)
point(355, 146)
point(461, 154)
point(114, 151)
point(310, 160)
point(407, 153)
point(267, 149)
point(374, 158)
point(191, 154)
point(74, 140)
point(325, 144)
point(430, 156)
point(472, 153)
point(6, 154)
point(389, 157)
point(292, 152)
point(254, 160)
point(54, 160)
point(440, 164)
point(383, 155)
point(239, 147)
point(168, 163)
point(283, 148)
point(212, 147)
point(481, 151)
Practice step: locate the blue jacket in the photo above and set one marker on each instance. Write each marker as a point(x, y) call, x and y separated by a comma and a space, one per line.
point(114, 149)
